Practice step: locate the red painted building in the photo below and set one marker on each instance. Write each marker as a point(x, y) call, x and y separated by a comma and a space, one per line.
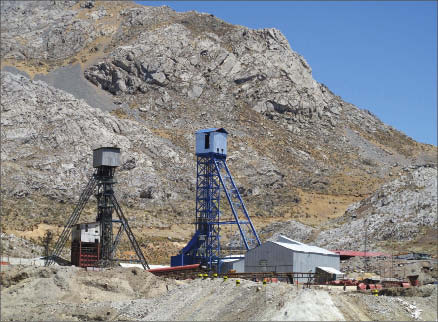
point(85, 245)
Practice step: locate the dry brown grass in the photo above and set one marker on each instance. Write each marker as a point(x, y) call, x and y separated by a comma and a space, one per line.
point(31, 67)
point(426, 242)
point(359, 185)
point(176, 136)
point(317, 208)
point(37, 232)
point(120, 113)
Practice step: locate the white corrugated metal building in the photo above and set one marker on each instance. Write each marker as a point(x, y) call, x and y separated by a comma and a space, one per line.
point(232, 263)
point(325, 274)
point(287, 255)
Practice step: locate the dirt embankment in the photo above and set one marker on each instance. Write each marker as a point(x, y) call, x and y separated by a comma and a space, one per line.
point(69, 293)
point(59, 293)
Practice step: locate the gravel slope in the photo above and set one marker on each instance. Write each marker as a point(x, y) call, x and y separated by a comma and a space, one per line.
point(69, 293)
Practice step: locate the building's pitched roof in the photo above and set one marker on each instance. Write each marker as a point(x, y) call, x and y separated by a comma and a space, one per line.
point(233, 258)
point(108, 147)
point(300, 247)
point(330, 270)
point(213, 129)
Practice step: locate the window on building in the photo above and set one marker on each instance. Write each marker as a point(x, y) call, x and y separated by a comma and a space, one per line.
point(207, 141)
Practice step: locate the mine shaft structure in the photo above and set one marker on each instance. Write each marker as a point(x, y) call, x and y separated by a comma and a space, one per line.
point(101, 250)
point(213, 181)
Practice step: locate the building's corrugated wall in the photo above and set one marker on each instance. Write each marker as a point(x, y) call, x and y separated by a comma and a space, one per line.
point(219, 143)
point(238, 266)
point(271, 257)
point(305, 262)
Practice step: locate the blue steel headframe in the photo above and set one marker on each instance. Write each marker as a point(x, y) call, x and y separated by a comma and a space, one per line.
point(213, 177)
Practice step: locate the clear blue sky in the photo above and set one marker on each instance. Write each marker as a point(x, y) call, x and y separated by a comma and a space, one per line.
point(381, 56)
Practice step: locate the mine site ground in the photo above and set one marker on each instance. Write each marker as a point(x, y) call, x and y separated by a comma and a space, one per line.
point(70, 293)
point(32, 292)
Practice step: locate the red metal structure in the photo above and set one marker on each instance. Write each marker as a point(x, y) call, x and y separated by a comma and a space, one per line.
point(85, 254)
point(175, 268)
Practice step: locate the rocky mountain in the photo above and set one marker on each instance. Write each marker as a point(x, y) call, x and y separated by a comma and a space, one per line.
point(400, 215)
point(78, 75)
point(399, 212)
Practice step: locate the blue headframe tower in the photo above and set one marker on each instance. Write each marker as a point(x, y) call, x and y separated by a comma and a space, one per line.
point(213, 180)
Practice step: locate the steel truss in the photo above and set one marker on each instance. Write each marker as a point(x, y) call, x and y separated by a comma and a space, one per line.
point(103, 179)
point(213, 179)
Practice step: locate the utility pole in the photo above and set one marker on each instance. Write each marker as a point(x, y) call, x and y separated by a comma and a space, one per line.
point(366, 242)
point(392, 250)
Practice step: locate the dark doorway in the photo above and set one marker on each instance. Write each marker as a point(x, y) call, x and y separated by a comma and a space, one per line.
point(207, 141)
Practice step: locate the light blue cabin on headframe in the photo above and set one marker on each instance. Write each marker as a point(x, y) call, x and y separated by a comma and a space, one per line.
point(211, 141)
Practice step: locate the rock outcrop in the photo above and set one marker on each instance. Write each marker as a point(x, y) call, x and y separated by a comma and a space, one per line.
point(37, 118)
point(397, 212)
point(291, 229)
point(52, 33)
